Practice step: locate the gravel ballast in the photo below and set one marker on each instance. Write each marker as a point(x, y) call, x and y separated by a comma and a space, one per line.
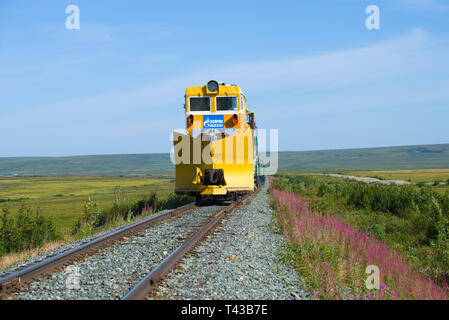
point(111, 272)
point(18, 266)
point(238, 261)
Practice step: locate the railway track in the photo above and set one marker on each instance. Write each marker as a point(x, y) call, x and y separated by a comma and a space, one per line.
point(13, 281)
point(149, 283)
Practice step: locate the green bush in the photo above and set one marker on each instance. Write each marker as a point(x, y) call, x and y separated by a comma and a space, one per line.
point(25, 231)
point(378, 230)
point(87, 222)
point(440, 260)
point(174, 201)
point(122, 210)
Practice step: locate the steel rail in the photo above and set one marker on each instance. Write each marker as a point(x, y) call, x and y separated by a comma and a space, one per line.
point(149, 283)
point(29, 273)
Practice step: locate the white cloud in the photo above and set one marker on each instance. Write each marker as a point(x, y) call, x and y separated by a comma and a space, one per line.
point(411, 54)
point(405, 70)
point(408, 54)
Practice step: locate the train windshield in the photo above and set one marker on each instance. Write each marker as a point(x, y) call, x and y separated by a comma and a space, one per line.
point(226, 103)
point(199, 104)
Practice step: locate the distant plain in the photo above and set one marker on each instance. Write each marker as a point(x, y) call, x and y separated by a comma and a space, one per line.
point(60, 185)
point(62, 197)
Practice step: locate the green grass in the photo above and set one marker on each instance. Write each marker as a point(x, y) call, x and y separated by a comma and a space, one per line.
point(62, 198)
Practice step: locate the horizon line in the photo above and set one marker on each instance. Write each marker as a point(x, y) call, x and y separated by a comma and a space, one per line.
point(167, 153)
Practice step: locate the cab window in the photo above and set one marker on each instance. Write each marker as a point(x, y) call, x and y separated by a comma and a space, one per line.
point(226, 103)
point(199, 104)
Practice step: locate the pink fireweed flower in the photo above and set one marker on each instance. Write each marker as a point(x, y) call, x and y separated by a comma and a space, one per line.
point(325, 241)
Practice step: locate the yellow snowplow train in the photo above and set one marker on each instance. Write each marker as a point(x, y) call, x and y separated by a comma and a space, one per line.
point(217, 156)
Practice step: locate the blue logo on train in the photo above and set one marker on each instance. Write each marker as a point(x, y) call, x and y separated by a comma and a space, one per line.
point(213, 121)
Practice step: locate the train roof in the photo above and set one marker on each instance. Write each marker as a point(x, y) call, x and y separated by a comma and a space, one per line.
point(223, 89)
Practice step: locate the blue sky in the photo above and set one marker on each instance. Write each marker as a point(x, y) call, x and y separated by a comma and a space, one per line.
point(309, 68)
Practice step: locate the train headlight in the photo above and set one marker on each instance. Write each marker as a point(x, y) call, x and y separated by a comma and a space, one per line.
point(235, 118)
point(212, 86)
point(190, 119)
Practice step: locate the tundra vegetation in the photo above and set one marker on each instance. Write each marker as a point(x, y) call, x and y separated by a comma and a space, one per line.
point(122, 211)
point(62, 198)
point(336, 227)
point(27, 230)
point(40, 213)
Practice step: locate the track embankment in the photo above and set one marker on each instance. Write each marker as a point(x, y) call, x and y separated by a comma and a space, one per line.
point(239, 260)
point(112, 271)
